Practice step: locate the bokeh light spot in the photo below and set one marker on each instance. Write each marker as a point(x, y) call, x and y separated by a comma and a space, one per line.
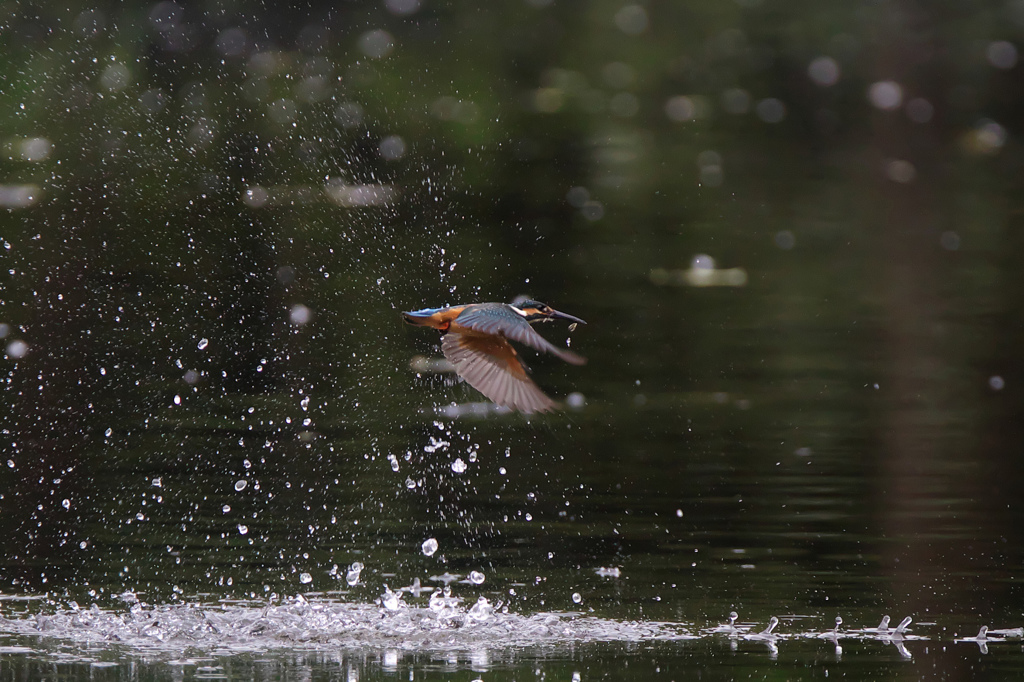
point(631, 20)
point(402, 8)
point(164, 15)
point(736, 101)
point(618, 75)
point(785, 239)
point(17, 349)
point(349, 115)
point(392, 147)
point(377, 43)
point(592, 210)
point(771, 110)
point(547, 100)
point(702, 261)
point(577, 196)
point(988, 137)
point(90, 23)
point(18, 196)
point(35, 149)
point(624, 105)
point(1002, 54)
point(232, 42)
point(255, 196)
point(680, 108)
point(900, 171)
point(885, 95)
point(824, 71)
point(115, 77)
point(920, 110)
point(283, 111)
point(448, 108)
point(949, 240)
point(300, 315)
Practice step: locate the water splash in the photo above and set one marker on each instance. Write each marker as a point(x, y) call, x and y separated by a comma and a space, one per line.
point(429, 546)
point(443, 624)
point(298, 623)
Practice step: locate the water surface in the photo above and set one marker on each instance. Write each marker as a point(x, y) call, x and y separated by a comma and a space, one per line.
point(794, 236)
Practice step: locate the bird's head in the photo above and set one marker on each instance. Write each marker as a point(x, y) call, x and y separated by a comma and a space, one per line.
point(535, 311)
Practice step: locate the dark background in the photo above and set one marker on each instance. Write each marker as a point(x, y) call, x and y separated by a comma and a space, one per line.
point(214, 212)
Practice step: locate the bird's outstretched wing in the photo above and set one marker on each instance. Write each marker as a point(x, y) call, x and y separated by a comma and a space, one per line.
point(501, 319)
point(490, 365)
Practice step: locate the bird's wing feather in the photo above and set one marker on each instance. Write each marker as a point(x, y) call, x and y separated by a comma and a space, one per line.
point(505, 321)
point(490, 365)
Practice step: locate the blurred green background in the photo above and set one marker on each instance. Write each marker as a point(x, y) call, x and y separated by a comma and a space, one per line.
point(794, 229)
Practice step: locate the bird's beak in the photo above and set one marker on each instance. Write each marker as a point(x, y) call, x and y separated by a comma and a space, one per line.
point(566, 316)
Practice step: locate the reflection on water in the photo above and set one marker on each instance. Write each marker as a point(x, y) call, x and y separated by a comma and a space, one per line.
point(208, 639)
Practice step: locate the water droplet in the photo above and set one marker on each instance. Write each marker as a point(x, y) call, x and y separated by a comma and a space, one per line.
point(458, 466)
point(203, 343)
point(243, 529)
point(476, 577)
point(66, 504)
point(226, 508)
point(240, 485)
point(577, 598)
point(392, 601)
point(305, 578)
point(429, 547)
point(352, 574)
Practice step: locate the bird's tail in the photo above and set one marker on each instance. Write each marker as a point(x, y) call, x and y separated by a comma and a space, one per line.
point(422, 318)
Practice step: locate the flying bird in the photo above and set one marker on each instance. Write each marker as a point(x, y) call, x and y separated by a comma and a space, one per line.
point(475, 339)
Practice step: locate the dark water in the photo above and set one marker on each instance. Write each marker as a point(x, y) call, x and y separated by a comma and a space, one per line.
point(795, 235)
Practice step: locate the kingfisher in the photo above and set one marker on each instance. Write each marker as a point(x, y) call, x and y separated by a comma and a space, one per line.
point(475, 339)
